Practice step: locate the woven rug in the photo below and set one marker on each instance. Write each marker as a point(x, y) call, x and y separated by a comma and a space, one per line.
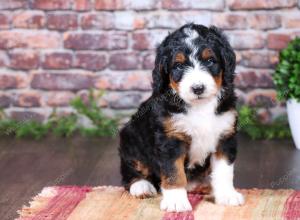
point(113, 203)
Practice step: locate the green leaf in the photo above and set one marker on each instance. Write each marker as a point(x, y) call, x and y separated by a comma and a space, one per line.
point(287, 74)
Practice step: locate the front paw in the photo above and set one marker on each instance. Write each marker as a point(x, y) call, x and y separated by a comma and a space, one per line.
point(229, 197)
point(142, 189)
point(175, 200)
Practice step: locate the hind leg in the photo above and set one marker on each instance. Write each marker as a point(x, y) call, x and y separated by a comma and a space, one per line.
point(135, 175)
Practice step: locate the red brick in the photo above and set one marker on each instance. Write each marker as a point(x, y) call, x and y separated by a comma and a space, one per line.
point(230, 21)
point(4, 21)
point(262, 98)
point(52, 5)
point(90, 61)
point(94, 41)
point(101, 20)
point(57, 60)
point(260, 4)
point(217, 5)
point(3, 59)
point(295, 34)
point(14, 4)
point(128, 20)
point(5, 100)
point(258, 59)
point(141, 5)
point(29, 19)
point(139, 22)
point(241, 97)
point(126, 4)
point(62, 81)
point(204, 18)
point(124, 61)
point(13, 80)
point(254, 79)
point(148, 61)
point(57, 99)
point(143, 40)
point(24, 60)
point(292, 21)
point(27, 115)
point(122, 100)
point(278, 41)
point(27, 99)
point(246, 40)
point(165, 19)
point(82, 5)
point(264, 21)
point(62, 21)
point(109, 4)
point(21, 39)
point(273, 58)
point(238, 56)
point(136, 80)
point(121, 20)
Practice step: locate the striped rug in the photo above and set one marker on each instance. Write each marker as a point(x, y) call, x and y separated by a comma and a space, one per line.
point(113, 203)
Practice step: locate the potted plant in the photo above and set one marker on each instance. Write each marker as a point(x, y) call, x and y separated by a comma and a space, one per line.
point(287, 81)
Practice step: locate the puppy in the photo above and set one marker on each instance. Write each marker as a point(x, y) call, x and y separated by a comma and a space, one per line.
point(186, 131)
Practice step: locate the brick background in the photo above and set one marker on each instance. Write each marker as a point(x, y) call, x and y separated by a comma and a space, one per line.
point(51, 51)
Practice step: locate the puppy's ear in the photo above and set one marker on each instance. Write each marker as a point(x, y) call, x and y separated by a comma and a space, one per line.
point(229, 58)
point(227, 55)
point(160, 72)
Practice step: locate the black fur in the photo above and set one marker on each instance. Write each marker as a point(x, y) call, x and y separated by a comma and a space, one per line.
point(143, 138)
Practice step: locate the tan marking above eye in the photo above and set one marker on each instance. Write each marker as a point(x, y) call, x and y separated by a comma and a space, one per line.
point(179, 58)
point(207, 53)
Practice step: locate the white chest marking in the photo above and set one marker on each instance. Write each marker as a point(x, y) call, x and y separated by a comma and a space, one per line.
point(204, 127)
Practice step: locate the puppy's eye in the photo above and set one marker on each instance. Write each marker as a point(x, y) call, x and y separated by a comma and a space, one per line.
point(211, 61)
point(178, 66)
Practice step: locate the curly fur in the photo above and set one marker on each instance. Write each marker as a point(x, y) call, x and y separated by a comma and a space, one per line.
point(168, 131)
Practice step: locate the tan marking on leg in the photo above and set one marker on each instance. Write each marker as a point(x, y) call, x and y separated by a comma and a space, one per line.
point(177, 179)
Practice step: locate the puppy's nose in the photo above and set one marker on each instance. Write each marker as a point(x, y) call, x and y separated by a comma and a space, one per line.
point(198, 89)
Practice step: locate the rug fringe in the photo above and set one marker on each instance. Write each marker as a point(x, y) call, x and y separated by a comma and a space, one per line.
point(37, 204)
point(109, 187)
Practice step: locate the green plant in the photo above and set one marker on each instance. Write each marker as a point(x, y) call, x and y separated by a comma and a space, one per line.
point(287, 74)
point(250, 125)
point(102, 125)
point(32, 129)
point(63, 126)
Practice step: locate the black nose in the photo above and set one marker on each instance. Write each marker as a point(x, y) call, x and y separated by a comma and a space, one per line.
point(198, 89)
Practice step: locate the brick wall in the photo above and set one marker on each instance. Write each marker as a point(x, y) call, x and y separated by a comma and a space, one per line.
point(51, 51)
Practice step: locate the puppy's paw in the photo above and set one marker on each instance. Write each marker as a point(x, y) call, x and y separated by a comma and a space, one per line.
point(142, 189)
point(231, 197)
point(175, 200)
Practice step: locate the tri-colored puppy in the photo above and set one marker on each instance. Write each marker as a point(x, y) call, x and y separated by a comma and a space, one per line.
point(186, 130)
